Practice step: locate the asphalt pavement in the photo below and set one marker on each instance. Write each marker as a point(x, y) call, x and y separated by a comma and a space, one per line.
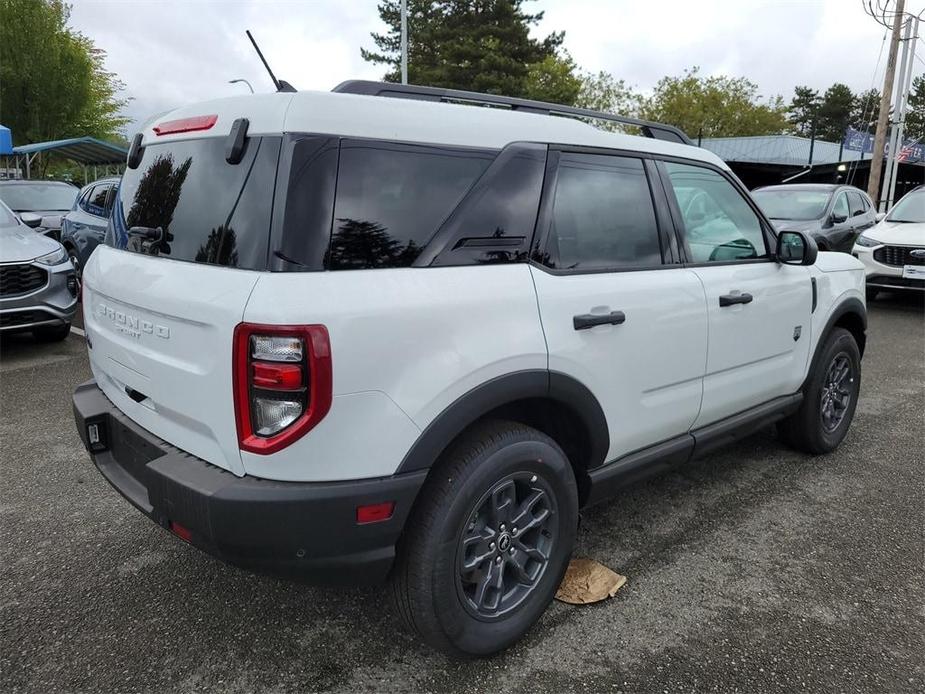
point(757, 569)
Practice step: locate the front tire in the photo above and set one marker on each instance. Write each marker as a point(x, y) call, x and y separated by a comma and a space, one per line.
point(488, 543)
point(829, 399)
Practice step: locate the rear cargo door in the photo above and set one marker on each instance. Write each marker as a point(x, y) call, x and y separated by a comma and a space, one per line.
point(163, 296)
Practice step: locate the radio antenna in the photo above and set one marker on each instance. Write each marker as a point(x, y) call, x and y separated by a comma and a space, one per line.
point(281, 85)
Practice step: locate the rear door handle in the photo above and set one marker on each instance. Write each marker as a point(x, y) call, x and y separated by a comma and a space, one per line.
point(589, 320)
point(733, 299)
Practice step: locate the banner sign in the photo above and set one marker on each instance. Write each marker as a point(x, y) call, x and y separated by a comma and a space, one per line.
point(858, 141)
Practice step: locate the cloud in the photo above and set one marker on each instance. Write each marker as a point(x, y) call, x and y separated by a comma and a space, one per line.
point(171, 53)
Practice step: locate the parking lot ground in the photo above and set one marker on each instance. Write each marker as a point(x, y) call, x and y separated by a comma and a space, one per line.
point(756, 569)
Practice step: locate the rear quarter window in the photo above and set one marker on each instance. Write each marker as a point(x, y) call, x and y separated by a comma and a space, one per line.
point(391, 198)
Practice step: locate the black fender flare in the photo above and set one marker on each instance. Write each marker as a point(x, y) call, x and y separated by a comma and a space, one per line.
point(849, 305)
point(504, 390)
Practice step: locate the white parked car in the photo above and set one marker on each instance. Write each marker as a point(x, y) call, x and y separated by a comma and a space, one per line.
point(354, 337)
point(893, 252)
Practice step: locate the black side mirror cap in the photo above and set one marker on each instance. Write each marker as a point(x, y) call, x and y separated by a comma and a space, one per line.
point(135, 152)
point(796, 248)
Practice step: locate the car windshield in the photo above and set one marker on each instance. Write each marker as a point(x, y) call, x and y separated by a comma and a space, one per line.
point(792, 204)
point(7, 218)
point(910, 209)
point(24, 197)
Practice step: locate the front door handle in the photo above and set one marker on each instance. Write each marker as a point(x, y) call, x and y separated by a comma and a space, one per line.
point(589, 320)
point(733, 299)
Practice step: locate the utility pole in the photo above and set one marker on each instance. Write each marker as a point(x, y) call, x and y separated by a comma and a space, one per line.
point(899, 109)
point(404, 41)
point(876, 157)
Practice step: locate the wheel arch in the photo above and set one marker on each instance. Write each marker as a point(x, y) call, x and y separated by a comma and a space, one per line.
point(851, 315)
point(557, 404)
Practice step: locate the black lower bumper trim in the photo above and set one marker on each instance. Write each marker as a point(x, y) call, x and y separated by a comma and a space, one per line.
point(299, 530)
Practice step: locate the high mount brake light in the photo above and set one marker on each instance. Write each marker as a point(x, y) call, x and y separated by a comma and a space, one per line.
point(283, 383)
point(185, 125)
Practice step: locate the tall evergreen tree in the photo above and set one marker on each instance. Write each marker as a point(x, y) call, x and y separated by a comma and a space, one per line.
point(803, 110)
point(915, 111)
point(834, 113)
point(865, 110)
point(476, 45)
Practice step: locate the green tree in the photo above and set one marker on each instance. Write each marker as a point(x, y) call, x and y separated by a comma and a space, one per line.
point(720, 106)
point(476, 45)
point(865, 110)
point(603, 92)
point(803, 110)
point(835, 113)
point(915, 111)
point(53, 83)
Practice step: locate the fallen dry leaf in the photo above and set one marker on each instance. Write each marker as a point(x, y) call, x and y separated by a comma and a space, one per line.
point(588, 581)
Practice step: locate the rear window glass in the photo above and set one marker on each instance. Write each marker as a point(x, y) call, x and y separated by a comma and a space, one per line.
point(207, 210)
point(391, 199)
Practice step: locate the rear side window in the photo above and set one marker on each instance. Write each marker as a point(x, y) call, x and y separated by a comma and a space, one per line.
point(602, 216)
point(208, 211)
point(855, 203)
point(391, 199)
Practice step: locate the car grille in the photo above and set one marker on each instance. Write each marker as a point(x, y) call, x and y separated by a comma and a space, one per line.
point(21, 279)
point(897, 256)
point(14, 319)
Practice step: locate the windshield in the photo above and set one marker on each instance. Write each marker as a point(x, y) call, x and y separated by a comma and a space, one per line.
point(801, 205)
point(7, 218)
point(25, 197)
point(910, 209)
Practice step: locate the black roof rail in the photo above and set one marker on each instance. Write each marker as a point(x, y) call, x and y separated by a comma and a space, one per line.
point(657, 131)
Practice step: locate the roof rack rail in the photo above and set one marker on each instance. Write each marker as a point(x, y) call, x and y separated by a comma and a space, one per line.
point(657, 131)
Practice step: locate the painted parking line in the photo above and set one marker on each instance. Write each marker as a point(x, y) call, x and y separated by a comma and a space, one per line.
point(78, 331)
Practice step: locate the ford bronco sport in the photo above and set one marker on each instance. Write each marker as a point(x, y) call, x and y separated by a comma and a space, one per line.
point(352, 337)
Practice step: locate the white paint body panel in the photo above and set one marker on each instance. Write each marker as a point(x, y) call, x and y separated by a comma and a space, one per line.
point(412, 340)
point(886, 233)
point(647, 373)
point(753, 357)
point(164, 328)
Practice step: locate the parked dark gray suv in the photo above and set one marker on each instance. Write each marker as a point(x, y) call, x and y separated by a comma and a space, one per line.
point(834, 215)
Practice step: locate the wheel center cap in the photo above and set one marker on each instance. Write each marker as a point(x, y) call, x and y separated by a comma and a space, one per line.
point(504, 542)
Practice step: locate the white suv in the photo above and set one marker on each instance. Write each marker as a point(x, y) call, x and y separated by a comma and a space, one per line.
point(349, 337)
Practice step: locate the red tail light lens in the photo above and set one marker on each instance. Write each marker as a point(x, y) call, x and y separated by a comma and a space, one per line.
point(373, 513)
point(185, 125)
point(282, 383)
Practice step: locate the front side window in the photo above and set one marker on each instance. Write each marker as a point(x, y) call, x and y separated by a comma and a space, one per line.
point(719, 225)
point(602, 215)
point(840, 211)
point(391, 198)
point(96, 203)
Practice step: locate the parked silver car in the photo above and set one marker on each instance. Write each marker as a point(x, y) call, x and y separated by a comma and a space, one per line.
point(38, 285)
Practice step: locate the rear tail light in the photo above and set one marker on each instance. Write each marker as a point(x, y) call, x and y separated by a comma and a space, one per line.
point(282, 383)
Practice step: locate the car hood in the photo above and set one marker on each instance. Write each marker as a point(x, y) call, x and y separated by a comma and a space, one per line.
point(21, 244)
point(898, 233)
point(797, 224)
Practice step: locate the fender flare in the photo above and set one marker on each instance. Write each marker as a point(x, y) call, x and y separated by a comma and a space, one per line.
point(849, 305)
point(504, 390)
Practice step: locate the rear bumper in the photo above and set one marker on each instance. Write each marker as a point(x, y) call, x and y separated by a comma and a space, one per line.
point(299, 530)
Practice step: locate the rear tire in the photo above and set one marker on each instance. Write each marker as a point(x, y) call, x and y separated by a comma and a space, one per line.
point(829, 399)
point(468, 580)
point(52, 333)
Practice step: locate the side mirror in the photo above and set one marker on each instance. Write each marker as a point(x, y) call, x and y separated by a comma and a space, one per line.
point(838, 218)
point(30, 219)
point(880, 216)
point(796, 248)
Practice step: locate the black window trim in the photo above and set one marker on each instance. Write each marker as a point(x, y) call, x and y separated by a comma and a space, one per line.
point(547, 199)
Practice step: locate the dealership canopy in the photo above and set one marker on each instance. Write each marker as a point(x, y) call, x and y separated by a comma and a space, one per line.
point(87, 151)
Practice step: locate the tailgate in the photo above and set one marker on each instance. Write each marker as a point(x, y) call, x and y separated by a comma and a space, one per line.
point(160, 336)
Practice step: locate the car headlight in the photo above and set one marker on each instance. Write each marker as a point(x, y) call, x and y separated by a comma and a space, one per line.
point(866, 241)
point(56, 257)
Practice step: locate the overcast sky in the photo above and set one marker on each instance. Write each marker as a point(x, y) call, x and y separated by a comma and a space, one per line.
point(170, 53)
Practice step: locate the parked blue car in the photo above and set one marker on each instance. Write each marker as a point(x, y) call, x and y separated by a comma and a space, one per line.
point(83, 228)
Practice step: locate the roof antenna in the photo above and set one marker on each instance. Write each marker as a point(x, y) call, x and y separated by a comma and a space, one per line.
point(281, 85)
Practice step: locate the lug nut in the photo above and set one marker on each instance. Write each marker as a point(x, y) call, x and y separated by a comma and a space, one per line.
point(491, 545)
point(498, 560)
point(514, 530)
point(511, 550)
point(502, 526)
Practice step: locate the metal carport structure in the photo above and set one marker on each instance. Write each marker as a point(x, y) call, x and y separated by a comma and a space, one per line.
point(86, 151)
